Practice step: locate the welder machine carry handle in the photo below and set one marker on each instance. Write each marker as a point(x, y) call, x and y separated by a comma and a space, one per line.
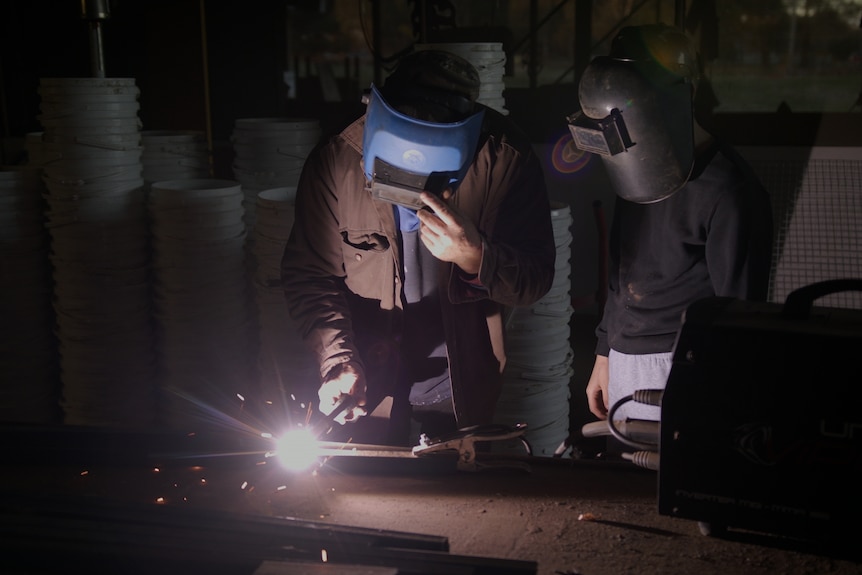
point(799, 301)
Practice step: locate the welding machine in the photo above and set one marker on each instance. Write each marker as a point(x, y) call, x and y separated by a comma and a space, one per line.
point(761, 423)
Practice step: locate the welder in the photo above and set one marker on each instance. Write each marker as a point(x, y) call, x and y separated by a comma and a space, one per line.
point(416, 227)
point(691, 220)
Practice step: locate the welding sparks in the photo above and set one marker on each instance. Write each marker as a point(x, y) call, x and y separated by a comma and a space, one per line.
point(296, 448)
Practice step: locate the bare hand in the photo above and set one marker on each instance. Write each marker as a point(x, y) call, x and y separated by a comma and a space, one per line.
point(345, 379)
point(448, 235)
point(597, 388)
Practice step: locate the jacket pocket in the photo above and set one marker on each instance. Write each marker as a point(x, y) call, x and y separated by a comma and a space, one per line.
point(367, 264)
point(365, 241)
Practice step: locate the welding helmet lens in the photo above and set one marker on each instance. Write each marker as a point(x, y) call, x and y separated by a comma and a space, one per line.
point(606, 136)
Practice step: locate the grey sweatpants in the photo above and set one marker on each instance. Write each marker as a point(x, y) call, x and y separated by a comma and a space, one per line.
point(626, 373)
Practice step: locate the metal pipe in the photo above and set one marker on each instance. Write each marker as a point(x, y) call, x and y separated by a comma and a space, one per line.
point(97, 53)
point(96, 11)
point(206, 75)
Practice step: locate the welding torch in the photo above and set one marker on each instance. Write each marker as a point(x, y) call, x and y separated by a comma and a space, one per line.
point(324, 425)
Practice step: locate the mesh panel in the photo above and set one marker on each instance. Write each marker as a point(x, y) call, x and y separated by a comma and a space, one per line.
point(817, 205)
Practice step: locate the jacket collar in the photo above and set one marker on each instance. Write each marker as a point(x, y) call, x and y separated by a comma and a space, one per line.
point(352, 134)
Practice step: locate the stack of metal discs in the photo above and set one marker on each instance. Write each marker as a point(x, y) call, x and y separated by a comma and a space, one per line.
point(539, 356)
point(174, 155)
point(97, 220)
point(205, 340)
point(270, 153)
point(286, 367)
point(29, 370)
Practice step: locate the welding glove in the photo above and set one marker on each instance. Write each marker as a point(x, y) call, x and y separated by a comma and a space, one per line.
point(346, 379)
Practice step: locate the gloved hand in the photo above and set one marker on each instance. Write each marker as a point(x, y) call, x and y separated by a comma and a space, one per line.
point(344, 379)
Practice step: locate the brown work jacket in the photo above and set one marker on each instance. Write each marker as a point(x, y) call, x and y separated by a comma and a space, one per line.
point(341, 267)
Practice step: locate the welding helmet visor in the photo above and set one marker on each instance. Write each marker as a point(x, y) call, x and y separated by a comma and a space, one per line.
point(638, 116)
point(403, 156)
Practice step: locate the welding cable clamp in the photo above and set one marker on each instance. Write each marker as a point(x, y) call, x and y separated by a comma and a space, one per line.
point(464, 442)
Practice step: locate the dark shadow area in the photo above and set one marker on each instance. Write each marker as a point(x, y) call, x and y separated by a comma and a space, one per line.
point(846, 548)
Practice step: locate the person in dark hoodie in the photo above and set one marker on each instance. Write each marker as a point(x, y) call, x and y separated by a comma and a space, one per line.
point(416, 226)
point(691, 220)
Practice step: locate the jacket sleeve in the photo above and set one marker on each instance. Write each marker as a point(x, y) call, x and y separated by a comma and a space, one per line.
point(515, 222)
point(312, 269)
point(609, 311)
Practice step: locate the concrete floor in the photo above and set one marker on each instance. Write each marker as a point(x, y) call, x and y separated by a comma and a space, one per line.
point(128, 502)
point(120, 501)
point(114, 503)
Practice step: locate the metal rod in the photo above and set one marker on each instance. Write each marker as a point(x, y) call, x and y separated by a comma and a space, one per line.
point(97, 53)
point(205, 66)
point(95, 12)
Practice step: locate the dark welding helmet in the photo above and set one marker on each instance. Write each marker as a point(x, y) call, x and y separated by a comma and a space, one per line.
point(421, 132)
point(637, 107)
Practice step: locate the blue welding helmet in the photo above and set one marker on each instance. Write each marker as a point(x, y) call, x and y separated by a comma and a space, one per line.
point(403, 155)
point(637, 112)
